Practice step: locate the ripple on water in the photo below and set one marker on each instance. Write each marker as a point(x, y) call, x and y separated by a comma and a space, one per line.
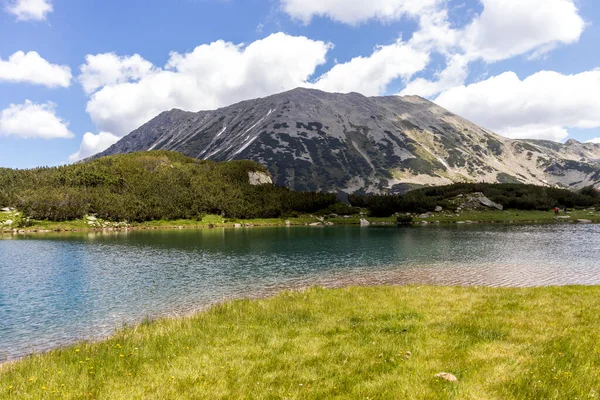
point(57, 289)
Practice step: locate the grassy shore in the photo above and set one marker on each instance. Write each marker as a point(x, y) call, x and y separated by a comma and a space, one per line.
point(507, 216)
point(363, 343)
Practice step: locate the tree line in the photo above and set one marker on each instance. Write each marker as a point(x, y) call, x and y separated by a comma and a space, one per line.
point(511, 196)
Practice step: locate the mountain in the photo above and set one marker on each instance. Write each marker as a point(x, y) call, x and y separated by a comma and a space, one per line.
point(313, 140)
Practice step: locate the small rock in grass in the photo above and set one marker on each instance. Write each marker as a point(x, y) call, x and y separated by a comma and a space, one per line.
point(446, 376)
point(407, 355)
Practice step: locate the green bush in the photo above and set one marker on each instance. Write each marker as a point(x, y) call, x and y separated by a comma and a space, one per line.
point(510, 195)
point(404, 220)
point(150, 186)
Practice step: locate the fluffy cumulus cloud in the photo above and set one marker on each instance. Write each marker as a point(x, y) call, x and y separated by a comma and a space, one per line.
point(92, 144)
point(542, 106)
point(355, 11)
point(29, 10)
point(371, 75)
point(31, 120)
point(108, 69)
point(594, 140)
point(31, 68)
point(128, 91)
point(504, 29)
point(507, 28)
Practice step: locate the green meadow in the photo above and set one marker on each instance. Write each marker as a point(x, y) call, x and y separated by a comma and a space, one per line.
point(351, 343)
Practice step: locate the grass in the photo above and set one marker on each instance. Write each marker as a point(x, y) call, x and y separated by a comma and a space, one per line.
point(445, 217)
point(352, 343)
point(513, 216)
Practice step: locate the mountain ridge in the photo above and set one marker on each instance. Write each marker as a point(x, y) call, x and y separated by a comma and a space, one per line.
point(315, 140)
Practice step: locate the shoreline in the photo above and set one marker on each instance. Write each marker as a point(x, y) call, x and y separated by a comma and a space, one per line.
point(44, 227)
point(399, 336)
point(348, 283)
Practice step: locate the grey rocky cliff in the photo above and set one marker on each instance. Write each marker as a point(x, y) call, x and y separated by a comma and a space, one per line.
point(313, 140)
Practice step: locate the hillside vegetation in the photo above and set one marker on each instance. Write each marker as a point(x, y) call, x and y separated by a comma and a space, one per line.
point(149, 186)
point(511, 196)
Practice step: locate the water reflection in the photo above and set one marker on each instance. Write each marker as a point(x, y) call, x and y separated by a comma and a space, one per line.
point(58, 288)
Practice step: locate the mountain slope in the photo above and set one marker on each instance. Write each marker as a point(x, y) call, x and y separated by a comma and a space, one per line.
point(313, 140)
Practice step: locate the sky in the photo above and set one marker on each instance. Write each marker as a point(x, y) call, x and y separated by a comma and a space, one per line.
point(75, 76)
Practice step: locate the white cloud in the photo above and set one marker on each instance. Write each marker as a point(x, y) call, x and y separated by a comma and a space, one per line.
point(504, 29)
point(507, 28)
point(32, 68)
point(93, 144)
point(31, 120)
point(29, 10)
point(371, 75)
point(109, 69)
point(543, 105)
point(210, 76)
point(355, 11)
point(455, 73)
point(594, 140)
point(536, 131)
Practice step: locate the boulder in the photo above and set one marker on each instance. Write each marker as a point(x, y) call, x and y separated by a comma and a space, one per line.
point(256, 178)
point(91, 218)
point(288, 223)
point(5, 209)
point(446, 376)
point(364, 222)
point(438, 209)
point(584, 221)
point(315, 224)
point(8, 222)
point(426, 215)
point(489, 203)
point(237, 225)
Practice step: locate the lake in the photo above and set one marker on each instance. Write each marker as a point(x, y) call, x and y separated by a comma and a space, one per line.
point(57, 289)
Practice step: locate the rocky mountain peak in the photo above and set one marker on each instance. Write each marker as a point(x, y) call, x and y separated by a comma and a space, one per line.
point(315, 140)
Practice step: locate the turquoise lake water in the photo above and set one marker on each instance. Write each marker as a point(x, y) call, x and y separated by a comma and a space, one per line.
point(57, 289)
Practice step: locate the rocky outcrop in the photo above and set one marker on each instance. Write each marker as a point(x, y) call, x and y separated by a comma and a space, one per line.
point(476, 201)
point(259, 178)
point(313, 140)
point(489, 203)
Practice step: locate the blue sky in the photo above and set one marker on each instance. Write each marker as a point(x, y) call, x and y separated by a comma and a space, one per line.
point(75, 76)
